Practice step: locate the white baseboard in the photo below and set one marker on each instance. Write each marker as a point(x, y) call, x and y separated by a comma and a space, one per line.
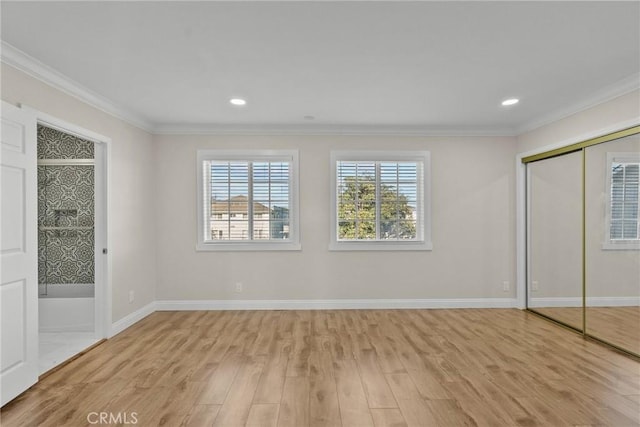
point(334, 304)
point(591, 302)
point(354, 304)
point(132, 318)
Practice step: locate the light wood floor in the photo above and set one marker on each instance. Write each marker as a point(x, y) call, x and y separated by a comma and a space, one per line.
point(350, 368)
point(617, 325)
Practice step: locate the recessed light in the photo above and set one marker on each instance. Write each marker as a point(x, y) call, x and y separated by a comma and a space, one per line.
point(510, 101)
point(237, 101)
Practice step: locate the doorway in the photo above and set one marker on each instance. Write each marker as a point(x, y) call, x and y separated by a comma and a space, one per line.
point(71, 241)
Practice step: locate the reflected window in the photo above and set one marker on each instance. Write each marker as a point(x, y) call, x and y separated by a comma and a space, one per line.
point(623, 216)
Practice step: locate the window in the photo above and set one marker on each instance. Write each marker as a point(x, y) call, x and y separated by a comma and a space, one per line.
point(380, 200)
point(623, 215)
point(247, 200)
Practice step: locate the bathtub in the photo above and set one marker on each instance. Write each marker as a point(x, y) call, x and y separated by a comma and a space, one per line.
point(66, 308)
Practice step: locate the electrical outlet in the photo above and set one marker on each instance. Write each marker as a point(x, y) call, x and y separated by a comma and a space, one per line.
point(239, 287)
point(534, 286)
point(132, 296)
point(505, 286)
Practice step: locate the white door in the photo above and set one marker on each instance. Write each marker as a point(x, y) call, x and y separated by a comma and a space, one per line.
point(18, 253)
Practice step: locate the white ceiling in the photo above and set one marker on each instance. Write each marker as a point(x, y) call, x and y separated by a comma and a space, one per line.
point(351, 65)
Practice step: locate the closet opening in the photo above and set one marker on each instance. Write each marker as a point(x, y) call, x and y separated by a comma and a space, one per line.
point(583, 238)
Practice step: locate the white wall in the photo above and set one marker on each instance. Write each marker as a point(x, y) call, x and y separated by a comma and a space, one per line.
point(153, 232)
point(604, 118)
point(132, 216)
point(473, 226)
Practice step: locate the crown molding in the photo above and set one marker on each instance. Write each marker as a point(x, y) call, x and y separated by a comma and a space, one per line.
point(320, 129)
point(615, 90)
point(33, 67)
point(20, 60)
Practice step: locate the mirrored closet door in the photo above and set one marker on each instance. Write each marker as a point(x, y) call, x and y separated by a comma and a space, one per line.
point(583, 237)
point(612, 240)
point(555, 238)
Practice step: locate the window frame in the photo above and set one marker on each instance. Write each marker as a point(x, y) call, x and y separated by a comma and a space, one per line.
point(291, 244)
point(609, 243)
point(423, 201)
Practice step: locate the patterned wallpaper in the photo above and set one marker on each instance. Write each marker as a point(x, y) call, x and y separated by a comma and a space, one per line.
point(53, 144)
point(65, 210)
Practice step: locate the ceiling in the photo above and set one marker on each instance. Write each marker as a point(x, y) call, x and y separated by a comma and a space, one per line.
point(377, 66)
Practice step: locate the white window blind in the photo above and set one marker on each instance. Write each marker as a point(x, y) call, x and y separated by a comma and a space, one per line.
point(380, 199)
point(625, 190)
point(247, 198)
point(377, 200)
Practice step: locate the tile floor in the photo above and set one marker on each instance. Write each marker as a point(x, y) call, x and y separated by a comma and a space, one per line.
point(56, 347)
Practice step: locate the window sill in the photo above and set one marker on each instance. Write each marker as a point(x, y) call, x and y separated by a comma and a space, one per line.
point(380, 246)
point(621, 246)
point(247, 247)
